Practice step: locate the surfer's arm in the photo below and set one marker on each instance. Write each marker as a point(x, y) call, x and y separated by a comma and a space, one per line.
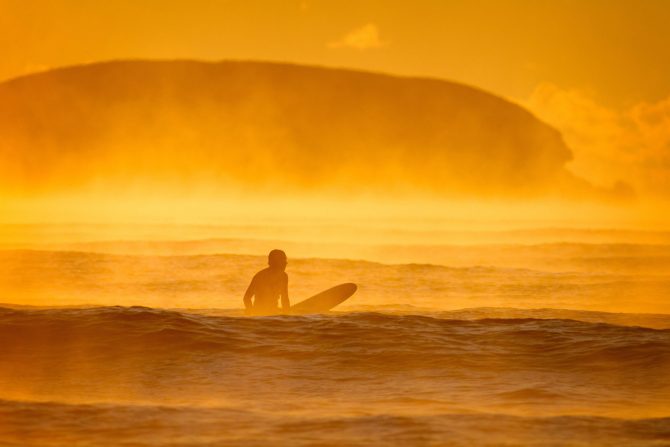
point(285, 304)
point(249, 293)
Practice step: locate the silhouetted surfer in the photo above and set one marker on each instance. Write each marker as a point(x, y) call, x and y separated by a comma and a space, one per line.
point(268, 286)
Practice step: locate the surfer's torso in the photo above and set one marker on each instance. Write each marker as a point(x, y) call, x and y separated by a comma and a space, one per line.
point(268, 286)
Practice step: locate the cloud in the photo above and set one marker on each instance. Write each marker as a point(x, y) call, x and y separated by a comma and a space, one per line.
point(364, 38)
point(610, 144)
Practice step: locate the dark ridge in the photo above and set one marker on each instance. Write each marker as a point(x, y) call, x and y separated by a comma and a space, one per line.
point(260, 125)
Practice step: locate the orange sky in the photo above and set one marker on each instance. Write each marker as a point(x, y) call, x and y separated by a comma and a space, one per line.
point(613, 48)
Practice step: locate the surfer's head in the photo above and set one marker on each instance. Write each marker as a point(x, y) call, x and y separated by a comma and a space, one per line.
point(277, 259)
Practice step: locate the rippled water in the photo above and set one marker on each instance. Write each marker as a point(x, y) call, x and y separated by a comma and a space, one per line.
point(534, 357)
point(419, 378)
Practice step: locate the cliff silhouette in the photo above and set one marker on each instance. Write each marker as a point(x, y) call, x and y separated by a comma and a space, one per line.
point(272, 126)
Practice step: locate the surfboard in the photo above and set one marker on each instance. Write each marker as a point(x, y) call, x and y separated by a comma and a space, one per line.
point(319, 303)
point(324, 301)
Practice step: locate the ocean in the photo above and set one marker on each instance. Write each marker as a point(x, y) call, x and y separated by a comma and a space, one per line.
point(543, 344)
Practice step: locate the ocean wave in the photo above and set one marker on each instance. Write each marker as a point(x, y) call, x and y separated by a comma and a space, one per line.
point(53, 423)
point(366, 338)
point(326, 369)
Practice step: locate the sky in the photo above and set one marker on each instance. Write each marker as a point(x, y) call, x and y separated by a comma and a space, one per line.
point(597, 70)
point(613, 48)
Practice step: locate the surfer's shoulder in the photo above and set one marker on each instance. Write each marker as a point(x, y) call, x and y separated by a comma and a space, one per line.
point(261, 273)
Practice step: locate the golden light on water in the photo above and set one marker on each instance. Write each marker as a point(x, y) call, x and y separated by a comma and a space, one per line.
point(493, 176)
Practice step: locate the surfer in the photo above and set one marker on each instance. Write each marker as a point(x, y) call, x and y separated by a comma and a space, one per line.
point(268, 286)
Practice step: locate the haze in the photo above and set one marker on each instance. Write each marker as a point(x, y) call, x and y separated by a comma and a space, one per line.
point(590, 71)
point(493, 176)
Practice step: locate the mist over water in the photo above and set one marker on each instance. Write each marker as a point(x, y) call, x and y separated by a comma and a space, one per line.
point(546, 337)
